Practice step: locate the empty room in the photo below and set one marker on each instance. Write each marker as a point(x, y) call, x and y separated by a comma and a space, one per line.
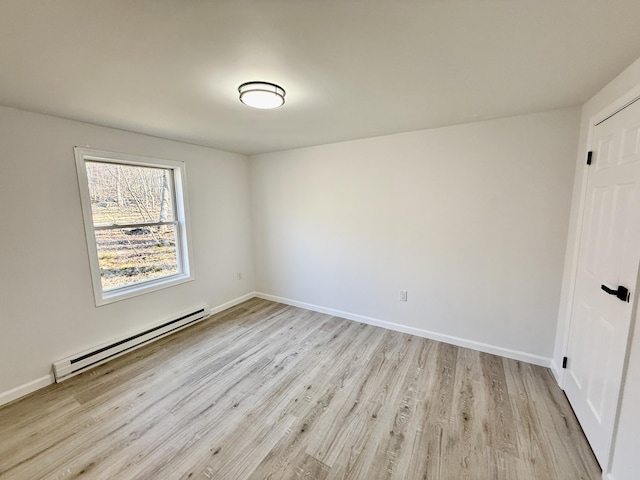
point(277, 239)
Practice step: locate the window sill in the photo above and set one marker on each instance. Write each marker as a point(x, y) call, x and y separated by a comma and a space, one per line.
point(105, 298)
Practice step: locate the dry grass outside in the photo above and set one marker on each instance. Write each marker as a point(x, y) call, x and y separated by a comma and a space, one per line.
point(131, 255)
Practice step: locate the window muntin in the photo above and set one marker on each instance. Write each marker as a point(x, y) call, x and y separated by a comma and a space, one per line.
point(135, 221)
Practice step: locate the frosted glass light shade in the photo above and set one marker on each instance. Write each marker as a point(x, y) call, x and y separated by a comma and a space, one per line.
point(262, 95)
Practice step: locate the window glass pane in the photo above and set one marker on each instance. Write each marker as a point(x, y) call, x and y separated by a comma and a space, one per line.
point(130, 255)
point(125, 194)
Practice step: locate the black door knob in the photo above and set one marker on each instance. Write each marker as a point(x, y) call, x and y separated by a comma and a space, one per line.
point(622, 292)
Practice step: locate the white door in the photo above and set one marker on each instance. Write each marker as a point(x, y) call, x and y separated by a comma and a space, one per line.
point(608, 259)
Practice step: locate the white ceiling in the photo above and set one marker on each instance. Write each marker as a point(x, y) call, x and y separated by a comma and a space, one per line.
point(351, 68)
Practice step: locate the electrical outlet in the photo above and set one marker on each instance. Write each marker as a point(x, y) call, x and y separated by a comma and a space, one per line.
point(403, 295)
point(238, 275)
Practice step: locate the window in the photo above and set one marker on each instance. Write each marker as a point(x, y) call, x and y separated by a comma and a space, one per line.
point(135, 218)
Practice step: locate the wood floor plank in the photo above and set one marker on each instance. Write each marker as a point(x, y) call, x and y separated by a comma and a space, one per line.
point(427, 449)
point(502, 434)
point(306, 467)
point(265, 390)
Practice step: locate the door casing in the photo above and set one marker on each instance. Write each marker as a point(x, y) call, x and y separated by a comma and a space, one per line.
point(583, 147)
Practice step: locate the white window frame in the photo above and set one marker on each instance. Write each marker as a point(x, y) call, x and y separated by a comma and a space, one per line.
point(184, 258)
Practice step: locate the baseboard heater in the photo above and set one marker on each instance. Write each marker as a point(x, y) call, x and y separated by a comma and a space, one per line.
point(83, 361)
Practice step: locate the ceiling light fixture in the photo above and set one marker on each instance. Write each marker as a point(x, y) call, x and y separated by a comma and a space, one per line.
point(262, 95)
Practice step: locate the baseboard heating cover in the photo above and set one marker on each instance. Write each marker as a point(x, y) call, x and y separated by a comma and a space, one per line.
point(82, 361)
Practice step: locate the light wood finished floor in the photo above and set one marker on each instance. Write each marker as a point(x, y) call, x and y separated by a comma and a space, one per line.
point(267, 391)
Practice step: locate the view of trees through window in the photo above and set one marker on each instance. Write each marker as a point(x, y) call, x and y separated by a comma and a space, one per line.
point(134, 222)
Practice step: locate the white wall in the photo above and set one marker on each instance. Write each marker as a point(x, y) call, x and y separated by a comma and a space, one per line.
point(470, 219)
point(47, 309)
point(626, 462)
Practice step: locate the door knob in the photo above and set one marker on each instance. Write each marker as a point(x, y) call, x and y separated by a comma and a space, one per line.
point(622, 292)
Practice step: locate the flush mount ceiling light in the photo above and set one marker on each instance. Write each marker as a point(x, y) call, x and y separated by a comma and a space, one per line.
point(262, 95)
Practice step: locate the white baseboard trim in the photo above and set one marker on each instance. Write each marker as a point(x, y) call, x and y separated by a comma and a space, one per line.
point(556, 373)
point(460, 342)
point(32, 386)
point(27, 388)
point(232, 303)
